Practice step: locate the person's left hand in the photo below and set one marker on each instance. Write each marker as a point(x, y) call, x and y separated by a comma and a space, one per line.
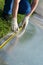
point(25, 22)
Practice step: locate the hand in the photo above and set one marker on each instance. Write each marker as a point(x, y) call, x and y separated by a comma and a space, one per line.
point(14, 24)
point(25, 22)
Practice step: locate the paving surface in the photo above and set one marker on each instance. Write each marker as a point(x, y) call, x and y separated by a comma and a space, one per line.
point(28, 49)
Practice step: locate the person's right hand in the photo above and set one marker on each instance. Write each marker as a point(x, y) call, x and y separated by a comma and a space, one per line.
point(14, 25)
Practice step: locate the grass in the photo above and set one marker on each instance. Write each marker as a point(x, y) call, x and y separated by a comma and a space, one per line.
point(5, 26)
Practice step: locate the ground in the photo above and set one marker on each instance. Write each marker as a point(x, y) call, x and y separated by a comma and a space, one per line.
point(28, 49)
point(5, 26)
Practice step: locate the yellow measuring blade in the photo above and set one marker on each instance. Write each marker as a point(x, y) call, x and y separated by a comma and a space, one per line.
point(11, 37)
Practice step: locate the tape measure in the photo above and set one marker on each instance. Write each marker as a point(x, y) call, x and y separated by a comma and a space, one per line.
point(9, 38)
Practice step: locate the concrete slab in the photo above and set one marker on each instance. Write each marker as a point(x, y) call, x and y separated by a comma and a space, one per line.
point(39, 9)
point(37, 20)
point(27, 50)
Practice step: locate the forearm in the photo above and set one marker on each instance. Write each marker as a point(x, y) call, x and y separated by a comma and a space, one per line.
point(15, 8)
point(33, 6)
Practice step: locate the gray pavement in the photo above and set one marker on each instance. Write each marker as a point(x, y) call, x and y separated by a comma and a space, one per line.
point(28, 49)
point(37, 20)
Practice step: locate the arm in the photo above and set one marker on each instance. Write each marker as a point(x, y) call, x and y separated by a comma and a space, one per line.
point(15, 8)
point(14, 24)
point(33, 6)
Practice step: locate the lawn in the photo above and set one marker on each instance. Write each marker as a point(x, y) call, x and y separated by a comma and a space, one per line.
point(5, 26)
